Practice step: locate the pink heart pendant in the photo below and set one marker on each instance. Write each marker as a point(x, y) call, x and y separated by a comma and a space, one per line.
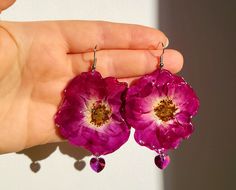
point(97, 164)
point(162, 161)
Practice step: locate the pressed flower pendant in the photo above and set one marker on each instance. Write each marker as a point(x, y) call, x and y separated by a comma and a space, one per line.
point(96, 113)
point(90, 115)
point(159, 106)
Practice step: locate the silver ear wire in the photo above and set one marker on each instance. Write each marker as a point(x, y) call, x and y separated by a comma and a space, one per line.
point(161, 63)
point(94, 59)
point(161, 57)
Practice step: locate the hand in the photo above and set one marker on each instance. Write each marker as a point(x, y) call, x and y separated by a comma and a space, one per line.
point(4, 4)
point(37, 59)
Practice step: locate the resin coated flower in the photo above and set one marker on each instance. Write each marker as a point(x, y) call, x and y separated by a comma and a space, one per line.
point(90, 114)
point(160, 107)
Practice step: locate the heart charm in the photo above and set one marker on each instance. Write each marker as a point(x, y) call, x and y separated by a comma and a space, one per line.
point(162, 161)
point(97, 164)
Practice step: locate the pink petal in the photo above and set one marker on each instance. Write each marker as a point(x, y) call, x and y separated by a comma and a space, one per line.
point(72, 113)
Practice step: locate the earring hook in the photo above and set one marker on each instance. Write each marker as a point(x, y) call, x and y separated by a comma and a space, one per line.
point(94, 59)
point(161, 56)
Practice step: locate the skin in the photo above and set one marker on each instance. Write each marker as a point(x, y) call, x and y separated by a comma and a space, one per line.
point(37, 59)
point(4, 4)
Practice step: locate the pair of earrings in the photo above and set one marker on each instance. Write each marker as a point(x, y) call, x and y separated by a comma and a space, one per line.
point(97, 113)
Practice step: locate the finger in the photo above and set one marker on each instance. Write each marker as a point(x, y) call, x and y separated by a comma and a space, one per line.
point(82, 36)
point(129, 81)
point(4, 4)
point(126, 63)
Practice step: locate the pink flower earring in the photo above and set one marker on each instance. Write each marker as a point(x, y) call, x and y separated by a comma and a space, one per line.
point(91, 114)
point(159, 106)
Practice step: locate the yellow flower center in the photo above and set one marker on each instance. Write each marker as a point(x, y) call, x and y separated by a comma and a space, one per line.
point(165, 110)
point(100, 114)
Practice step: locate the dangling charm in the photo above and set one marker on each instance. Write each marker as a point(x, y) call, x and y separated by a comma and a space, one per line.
point(162, 160)
point(90, 114)
point(97, 164)
point(159, 106)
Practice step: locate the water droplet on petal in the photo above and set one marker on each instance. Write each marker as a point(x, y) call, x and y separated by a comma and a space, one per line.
point(141, 142)
point(162, 161)
point(97, 164)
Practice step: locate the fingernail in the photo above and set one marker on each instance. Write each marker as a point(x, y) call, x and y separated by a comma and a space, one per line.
point(167, 43)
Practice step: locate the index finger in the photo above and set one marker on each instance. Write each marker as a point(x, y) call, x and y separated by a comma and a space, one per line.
point(82, 36)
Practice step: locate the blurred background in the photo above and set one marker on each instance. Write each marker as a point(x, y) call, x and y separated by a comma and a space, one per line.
point(204, 31)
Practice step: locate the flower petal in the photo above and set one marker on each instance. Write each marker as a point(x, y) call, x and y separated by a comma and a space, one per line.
point(184, 96)
point(183, 117)
point(140, 103)
point(143, 86)
point(164, 77)
point(101, 142)
point(168, 139)
point(74, 113)
point(171, 136)
point(148, 137)
point(65, 118)
point(138, 113)
point(87, 85)
point(139, 110)
point(115, 92)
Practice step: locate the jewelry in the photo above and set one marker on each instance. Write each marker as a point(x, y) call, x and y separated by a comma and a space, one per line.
point(159, 106)
point(91, 114)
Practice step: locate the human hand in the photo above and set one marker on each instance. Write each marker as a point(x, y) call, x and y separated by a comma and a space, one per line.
point(37, 59)
point(4, 4)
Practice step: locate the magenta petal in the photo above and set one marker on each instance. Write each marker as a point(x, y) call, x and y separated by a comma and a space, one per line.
point(68, 111)
point(143, 86)
point(101, 143)
point(115, 93)
point(148, 137)
point(65, 117)
point(185, 97)
point(183, 117)
point(117, 136)
point(171, 136)
point(142, 97)
point(188, 130)
point(74, 114)
point(164, 77)
point(114, 88)
point(138, 113)
point(169, 139)
point(138, 109)
point(88, 84)
point(82, 137)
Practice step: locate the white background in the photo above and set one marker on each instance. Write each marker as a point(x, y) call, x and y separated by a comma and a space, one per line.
point(131, 167)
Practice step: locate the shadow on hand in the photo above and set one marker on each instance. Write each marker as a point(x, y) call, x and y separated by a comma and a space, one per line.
point(42, 152)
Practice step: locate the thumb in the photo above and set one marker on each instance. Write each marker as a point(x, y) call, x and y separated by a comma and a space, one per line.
point(4, 4)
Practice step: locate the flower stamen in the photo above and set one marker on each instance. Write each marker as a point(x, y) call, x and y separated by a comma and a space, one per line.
point(165, 110)
point(100, 114)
